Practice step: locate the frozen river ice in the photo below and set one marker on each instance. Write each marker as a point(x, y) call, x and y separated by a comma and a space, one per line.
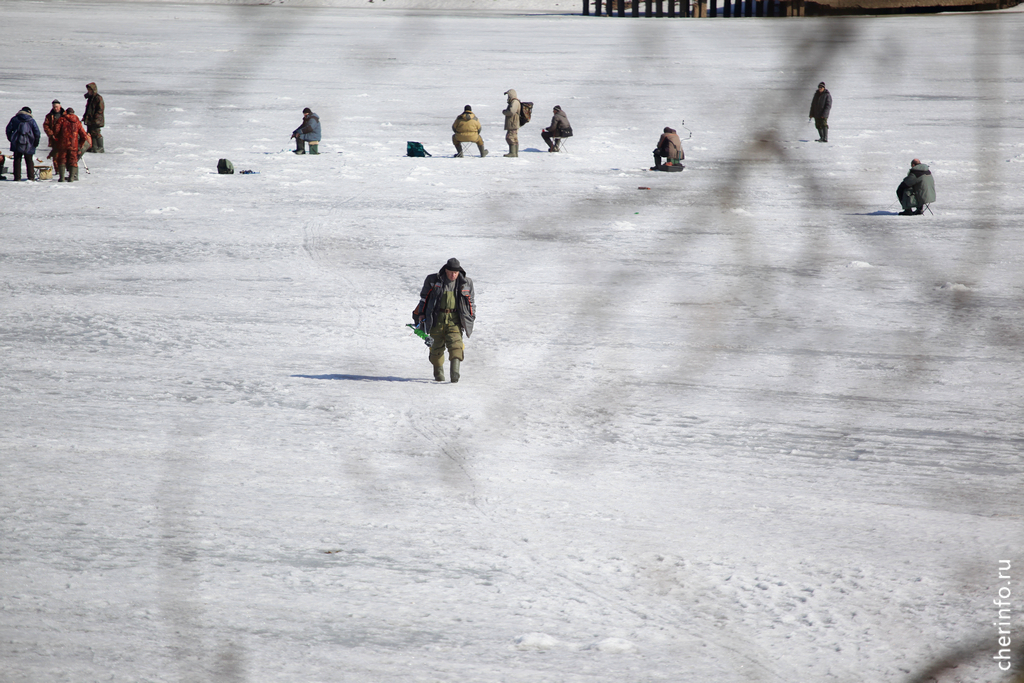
point(745, 425)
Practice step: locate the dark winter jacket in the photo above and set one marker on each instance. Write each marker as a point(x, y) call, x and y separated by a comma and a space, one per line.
point(920, 182)
point(23, 133)
point(821, 105)
point(429, 307)
point(559, 127)
point(310, 128)
point(93, 116)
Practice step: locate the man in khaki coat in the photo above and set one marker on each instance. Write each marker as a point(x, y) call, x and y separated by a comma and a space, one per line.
point(467, 129)
point(512, 123)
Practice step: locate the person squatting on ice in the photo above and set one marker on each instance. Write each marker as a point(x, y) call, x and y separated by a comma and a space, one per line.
point(821, 107)
point(93, 118)
point(309, 132)
point(512, 123)
point(916, 190)
point(447, 310)
point(558, 129)
point(669, 147)
point(70, 134)
point(23, 132)
point(466, 128)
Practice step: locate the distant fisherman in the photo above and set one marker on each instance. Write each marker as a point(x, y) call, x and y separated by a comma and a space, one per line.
point(916, 190)
point(23, 132)
point(309, 132)
point(821, 107)
point(93, 117)
point(466, 128)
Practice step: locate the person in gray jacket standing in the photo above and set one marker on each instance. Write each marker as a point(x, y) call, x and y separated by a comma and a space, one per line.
point(821, 107)
point(446, 311)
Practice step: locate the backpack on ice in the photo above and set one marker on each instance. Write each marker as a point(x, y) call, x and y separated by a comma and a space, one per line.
point(415, 149)
point(225, 166)
point(525, 112)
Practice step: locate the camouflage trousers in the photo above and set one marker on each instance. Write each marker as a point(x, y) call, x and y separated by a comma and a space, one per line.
point(512, 137)
point(446, 333)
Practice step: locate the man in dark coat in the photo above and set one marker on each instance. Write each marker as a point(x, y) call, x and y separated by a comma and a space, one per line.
point(446, 311)
point(93, 117)
point(309, 132)
point(821, 107)
point(558, 129)
point(916, 190)
point(49, 126)
point(23, 132)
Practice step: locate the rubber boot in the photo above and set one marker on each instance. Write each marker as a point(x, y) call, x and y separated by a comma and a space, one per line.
point(300, 146)
point(74, 174)
point(60, 173)
point(97, 144)
point(483, 152)
point(455, 370)
point(558, 144)
point(460, 154)
point(513, 151)
point(314, 148)
point(439, 373)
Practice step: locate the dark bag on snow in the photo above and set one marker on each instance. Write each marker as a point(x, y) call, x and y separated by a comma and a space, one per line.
point(415, 149)
point(225, 166)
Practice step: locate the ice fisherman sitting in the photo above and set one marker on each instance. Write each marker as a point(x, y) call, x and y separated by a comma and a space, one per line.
point(309, 132)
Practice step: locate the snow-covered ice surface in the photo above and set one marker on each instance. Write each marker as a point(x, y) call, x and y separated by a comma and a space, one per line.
point(744, 425)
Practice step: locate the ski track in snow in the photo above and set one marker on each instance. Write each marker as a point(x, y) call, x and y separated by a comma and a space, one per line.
point(744, 425)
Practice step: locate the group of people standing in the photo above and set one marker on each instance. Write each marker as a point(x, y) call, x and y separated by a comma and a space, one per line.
point(67, 135)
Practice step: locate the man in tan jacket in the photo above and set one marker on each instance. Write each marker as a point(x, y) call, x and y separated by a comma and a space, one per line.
point(467, 129)
point(669, 147)
point(512, 123)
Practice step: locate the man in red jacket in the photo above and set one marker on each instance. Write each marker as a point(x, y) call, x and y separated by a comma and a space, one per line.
point(69, 134)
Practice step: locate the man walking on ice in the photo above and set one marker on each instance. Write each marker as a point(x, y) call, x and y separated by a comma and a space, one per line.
point(447, 310)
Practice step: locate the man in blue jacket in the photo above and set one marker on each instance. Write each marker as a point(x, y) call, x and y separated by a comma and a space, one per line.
point(309, 132)
point(23, 133)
